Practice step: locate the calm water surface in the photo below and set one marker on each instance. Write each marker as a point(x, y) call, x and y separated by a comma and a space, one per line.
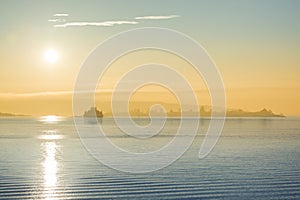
point(254, 159)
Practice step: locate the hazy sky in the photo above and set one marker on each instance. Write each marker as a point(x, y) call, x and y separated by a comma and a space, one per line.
point(255, 44)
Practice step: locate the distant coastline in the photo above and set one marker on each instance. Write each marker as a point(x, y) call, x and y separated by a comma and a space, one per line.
point(262, 113)
point(203, 113)
point(12, 115)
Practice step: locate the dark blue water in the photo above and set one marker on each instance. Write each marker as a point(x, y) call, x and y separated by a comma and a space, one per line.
point(254, 159)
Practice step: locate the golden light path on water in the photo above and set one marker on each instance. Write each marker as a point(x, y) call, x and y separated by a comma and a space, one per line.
point(50, 163)
point(49, 168)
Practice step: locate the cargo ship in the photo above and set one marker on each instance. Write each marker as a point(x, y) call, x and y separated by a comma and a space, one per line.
point(93, 112)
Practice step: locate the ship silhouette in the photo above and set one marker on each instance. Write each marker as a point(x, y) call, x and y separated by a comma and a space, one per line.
point(93, 112)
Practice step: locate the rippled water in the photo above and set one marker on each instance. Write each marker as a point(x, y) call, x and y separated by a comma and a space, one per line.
point(254, 159)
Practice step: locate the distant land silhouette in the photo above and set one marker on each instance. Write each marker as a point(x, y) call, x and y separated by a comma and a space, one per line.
point(205, 111)
point(12, 115)
point(229, 113)
point(262, 113)
point(143, 108)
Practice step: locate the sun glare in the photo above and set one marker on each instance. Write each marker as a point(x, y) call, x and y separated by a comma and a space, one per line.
point(51, 56)
point(51, 118)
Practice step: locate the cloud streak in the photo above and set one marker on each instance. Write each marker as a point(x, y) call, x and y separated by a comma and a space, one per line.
point(61, 15)
point(51, 93)
point(62, 22)
point(56, 20)
point(157, 17)
point(105, 23)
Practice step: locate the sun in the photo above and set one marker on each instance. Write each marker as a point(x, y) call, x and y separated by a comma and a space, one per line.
point(51, 56)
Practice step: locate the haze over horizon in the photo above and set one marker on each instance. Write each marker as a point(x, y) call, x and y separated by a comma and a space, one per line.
point(254, 44)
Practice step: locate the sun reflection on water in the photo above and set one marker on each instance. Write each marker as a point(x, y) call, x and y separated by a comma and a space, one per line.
point(49, 166)
point(51, 119)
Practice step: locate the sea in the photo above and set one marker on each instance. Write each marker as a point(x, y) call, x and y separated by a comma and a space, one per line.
point(254, 158)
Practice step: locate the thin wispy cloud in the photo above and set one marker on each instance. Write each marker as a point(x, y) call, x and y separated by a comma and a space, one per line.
point(34, 94)
point(105, 23)
point(50, 93)
point(61, 15)
point(157, 17)
point(62, 22)
point(57, 20)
